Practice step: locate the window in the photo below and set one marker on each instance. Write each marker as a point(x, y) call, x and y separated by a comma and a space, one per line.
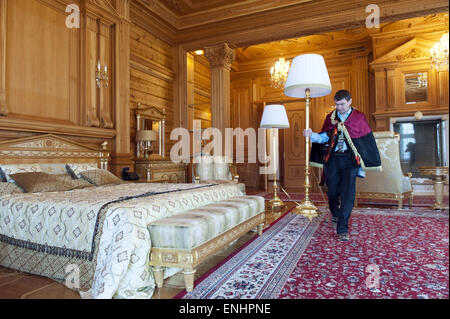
point(421, 144)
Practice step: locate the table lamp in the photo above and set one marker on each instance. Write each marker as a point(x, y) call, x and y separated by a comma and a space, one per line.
point(307, 78)
point(275, 117)
point(146, 137)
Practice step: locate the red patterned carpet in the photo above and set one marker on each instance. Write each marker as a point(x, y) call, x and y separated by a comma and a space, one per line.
point(409, 254)
point(392, 254)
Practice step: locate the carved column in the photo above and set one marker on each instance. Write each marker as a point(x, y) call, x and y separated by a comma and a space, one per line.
point(220, 58)
point(122, 155)
point(180, 88)
point(360, 83)
point(3, 12)
point(90, 46)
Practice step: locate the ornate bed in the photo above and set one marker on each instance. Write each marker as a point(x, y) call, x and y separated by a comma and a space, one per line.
point(95, 239)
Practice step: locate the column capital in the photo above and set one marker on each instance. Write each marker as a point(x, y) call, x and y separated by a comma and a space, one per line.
point(220, 55)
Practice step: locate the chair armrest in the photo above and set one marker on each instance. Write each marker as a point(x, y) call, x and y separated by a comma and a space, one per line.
point(234, 174)
point(196, 176)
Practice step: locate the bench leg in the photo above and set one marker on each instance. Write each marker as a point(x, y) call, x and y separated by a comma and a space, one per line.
point(158, 272)
point(260, 229)
point(189, 279)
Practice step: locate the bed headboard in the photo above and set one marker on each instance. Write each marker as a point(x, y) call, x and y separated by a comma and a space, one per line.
point(49, 148)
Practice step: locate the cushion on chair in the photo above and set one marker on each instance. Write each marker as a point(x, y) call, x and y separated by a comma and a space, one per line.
point(204, 167)
point(222, 168)
point(215, 168)
point(391, 179)
point(191, 229)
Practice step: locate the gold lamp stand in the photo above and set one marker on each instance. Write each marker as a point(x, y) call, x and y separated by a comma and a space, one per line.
point(276, 202)
point(306, 207)
point(275, 117)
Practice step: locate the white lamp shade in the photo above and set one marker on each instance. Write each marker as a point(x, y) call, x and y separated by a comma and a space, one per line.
point(146, 135)
point(308, 71)
point(274, 116)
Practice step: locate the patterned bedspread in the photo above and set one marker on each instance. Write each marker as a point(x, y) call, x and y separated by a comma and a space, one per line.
point(98, 234)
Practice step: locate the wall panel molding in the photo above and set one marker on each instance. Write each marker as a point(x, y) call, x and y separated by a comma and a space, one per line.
point(3, 14)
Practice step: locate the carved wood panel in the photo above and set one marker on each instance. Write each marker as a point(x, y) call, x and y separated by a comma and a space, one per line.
point(42, 62)
point(3, 15)
point(106, 42)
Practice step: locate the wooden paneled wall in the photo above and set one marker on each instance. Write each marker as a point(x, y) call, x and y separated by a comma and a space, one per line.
point(47, 70)
point(202, 90)
point(151, 79)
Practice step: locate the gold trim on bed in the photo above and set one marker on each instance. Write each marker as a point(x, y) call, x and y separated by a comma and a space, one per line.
point(49, 148)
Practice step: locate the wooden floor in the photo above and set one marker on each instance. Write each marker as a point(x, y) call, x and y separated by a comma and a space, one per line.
point(18, 285)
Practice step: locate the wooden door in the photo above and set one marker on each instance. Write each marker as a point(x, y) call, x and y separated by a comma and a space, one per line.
point(294, 146)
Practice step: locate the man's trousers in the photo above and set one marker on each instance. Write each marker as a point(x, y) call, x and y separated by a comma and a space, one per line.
point(340, 173)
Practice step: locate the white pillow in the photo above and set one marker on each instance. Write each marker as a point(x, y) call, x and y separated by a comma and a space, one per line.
point(9, 169)
point(74, 169)
point(54, 168)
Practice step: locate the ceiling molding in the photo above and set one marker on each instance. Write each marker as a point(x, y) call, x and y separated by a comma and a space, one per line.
point(245, 23)
point(302, 20)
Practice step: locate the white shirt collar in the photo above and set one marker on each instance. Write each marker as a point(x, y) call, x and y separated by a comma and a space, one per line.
point(345, 115)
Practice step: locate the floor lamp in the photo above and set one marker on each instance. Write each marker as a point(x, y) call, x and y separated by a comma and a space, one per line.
point(307, 78)
point(275, 117)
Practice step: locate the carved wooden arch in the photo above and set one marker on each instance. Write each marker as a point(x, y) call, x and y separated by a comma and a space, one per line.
point(150, 112)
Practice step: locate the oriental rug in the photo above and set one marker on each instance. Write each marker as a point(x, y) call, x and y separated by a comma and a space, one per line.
point(392, 254)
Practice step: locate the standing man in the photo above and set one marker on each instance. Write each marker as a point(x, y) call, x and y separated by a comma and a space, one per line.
point(344, 148)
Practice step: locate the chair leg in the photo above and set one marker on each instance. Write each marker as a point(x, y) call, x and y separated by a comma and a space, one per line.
point(158, 272)
point(411, 201)
point(356, 201)
point(189, 279)
point(260, 229)
point(400, 203)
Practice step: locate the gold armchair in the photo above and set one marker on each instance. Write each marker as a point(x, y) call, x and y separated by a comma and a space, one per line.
point(391, 183)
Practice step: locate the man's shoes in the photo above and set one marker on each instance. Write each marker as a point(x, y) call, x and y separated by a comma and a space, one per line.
point(344, 237)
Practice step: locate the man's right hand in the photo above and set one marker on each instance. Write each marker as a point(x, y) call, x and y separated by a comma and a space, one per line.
point(307, 133)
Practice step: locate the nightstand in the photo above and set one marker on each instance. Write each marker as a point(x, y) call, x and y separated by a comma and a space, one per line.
point(157, 169)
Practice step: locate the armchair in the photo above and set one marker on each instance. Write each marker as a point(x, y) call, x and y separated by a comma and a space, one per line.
point(391, 182)
point(214, 169)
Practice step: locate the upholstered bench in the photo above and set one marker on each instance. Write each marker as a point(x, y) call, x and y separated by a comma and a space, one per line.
point(185, 240)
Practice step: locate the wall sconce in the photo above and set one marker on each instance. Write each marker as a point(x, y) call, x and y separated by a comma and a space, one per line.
point(101, 77)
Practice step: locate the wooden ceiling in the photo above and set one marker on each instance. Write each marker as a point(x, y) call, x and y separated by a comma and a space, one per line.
point(185, 14)
point(354, 40)
point(195, 24)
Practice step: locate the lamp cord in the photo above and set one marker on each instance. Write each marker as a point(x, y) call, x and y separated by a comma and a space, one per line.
point(318, 185)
